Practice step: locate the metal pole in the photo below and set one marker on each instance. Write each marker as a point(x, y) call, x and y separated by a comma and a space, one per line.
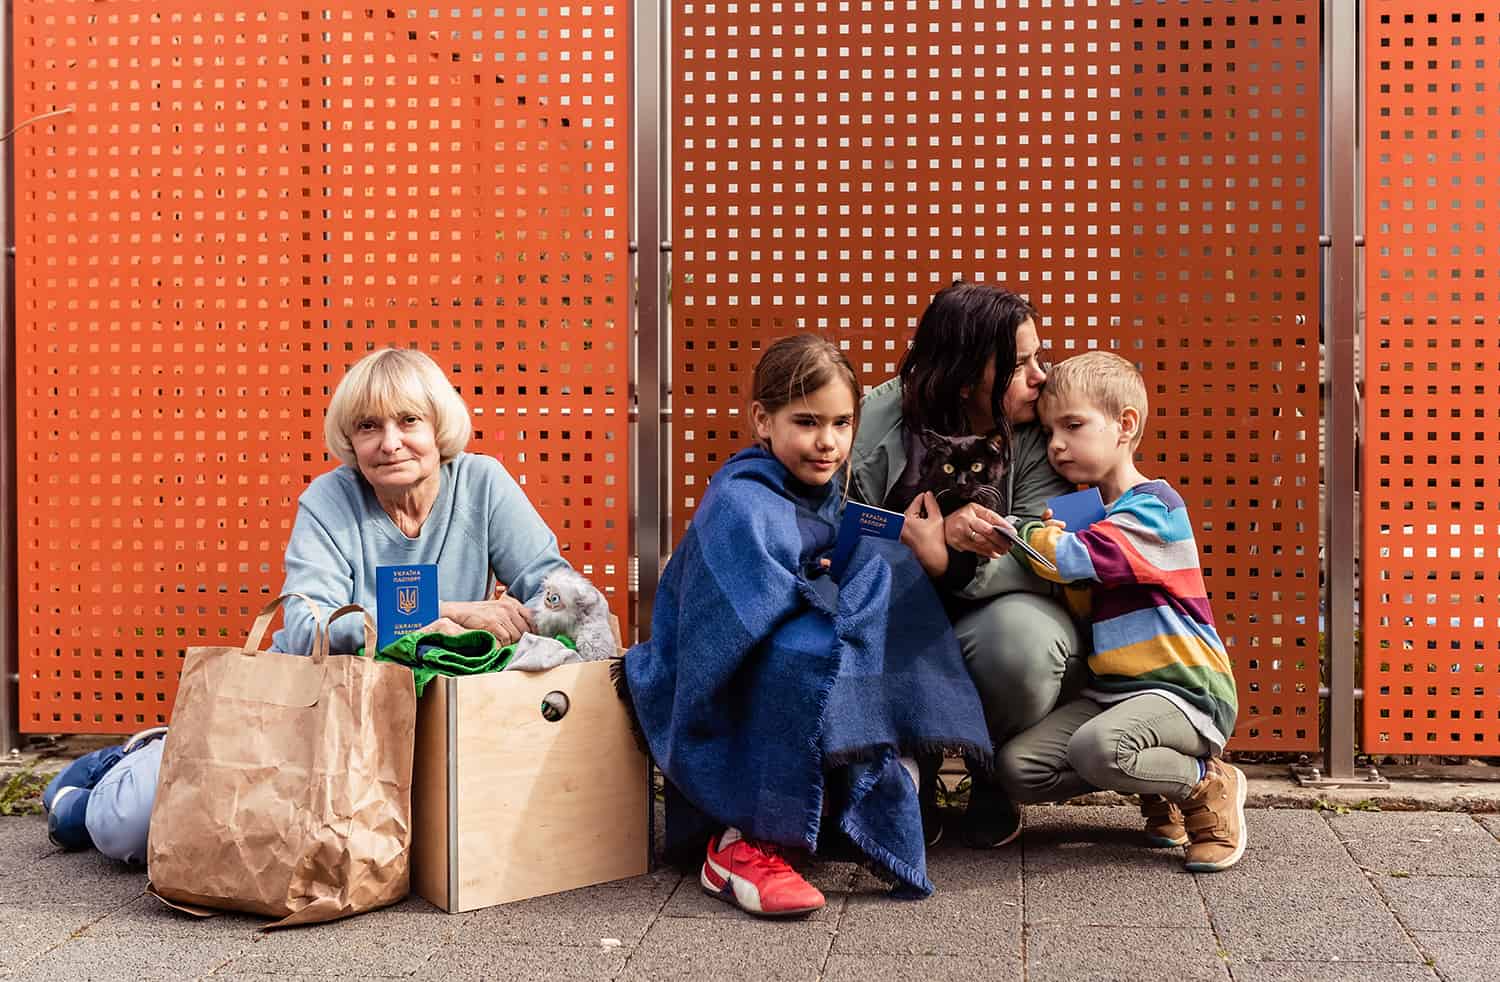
point(10, 669)
point(652, 349)
point(649, 467)
point(1342, 198)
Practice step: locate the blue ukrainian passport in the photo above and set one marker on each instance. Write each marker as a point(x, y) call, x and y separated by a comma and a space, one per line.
point(406, 600)
point(1078, 510)
point(862, 520)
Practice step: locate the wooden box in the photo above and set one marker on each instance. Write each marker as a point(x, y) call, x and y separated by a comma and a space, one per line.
point(507, 804)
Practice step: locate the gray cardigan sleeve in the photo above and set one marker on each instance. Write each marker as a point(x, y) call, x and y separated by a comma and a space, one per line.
point(317, 568)
point(523, 550)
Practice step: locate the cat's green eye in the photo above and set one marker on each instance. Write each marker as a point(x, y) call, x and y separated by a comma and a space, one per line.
point(947, 468)
point(976, 467)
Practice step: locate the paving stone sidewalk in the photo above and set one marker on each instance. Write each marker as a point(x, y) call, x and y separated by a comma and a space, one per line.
point(1319, 896)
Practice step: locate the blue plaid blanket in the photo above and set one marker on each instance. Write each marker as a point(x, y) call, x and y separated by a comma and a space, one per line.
point(765, 686)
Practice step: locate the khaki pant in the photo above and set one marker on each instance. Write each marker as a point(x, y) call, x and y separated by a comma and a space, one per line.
point(1144, 745)
point(1024, 654)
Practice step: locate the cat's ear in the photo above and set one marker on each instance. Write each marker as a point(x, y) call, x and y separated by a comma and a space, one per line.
point(932, 440)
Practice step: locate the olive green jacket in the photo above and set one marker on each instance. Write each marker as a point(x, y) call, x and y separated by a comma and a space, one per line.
point(879, 456)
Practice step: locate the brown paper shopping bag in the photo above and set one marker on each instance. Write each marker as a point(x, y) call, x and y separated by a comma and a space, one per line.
point(285, 785)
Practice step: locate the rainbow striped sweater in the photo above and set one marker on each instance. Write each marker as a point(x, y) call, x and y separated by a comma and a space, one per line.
point(1153, 630)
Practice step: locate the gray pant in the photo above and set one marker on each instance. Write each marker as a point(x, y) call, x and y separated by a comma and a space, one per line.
point(1023, 651)
point(1144, 745)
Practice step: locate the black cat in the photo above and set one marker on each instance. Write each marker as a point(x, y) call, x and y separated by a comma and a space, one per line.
point(957, 469)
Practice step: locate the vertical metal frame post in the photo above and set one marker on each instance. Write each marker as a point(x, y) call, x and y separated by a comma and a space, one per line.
point(1342, 196)
point(652, 346)
point(10, 656)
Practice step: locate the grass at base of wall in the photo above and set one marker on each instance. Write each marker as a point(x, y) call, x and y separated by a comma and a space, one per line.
point(21, 793)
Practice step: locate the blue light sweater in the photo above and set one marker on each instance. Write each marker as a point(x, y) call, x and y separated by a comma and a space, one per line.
point(481, 522)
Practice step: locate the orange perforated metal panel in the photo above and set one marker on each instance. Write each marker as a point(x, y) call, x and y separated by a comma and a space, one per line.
point(1431, 543)
point(1147, 174)
point(234, 204)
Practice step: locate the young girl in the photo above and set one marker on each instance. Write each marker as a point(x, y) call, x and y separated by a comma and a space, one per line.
point(766, 688)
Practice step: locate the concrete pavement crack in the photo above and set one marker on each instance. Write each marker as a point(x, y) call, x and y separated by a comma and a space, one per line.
point(452, 936)
point(1213, 925)
point(838, 923)
point(78, 932)
point(1494, 833)
point(1374, 881)
point(636, 948)
point(1025, 921)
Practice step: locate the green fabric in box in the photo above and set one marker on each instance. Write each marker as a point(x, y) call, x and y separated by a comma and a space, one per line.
point(433, 654)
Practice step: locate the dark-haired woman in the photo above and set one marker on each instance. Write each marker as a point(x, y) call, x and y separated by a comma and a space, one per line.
point(975, 368)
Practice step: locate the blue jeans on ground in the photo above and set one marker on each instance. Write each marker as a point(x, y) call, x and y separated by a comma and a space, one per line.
point(104, 799)
point(66, 798)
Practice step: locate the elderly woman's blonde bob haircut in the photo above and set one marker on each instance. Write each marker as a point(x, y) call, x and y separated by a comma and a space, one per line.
point(393, 382)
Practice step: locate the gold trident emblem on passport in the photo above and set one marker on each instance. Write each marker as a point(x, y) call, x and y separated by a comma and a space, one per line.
point(406, 599)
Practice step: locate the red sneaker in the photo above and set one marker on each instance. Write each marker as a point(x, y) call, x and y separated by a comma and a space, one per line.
point(754, 877)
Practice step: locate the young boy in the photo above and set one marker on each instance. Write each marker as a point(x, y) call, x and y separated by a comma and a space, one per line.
point(1160, 700)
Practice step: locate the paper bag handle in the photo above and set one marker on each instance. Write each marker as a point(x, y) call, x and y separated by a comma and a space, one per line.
point(263, 621)
point(370, 640)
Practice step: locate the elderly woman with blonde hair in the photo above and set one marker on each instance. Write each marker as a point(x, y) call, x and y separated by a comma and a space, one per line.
point(407, 493)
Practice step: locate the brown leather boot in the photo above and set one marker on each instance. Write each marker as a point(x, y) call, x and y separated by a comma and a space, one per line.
point(1164, 828)
point(1214, 814)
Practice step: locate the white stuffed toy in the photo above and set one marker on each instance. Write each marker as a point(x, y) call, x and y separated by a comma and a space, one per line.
point(567, 604)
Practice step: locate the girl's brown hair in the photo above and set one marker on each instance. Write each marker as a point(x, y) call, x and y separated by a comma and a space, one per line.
point(793, 367)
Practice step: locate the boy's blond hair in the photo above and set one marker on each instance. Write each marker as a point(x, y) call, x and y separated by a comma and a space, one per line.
point(1102, 379)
